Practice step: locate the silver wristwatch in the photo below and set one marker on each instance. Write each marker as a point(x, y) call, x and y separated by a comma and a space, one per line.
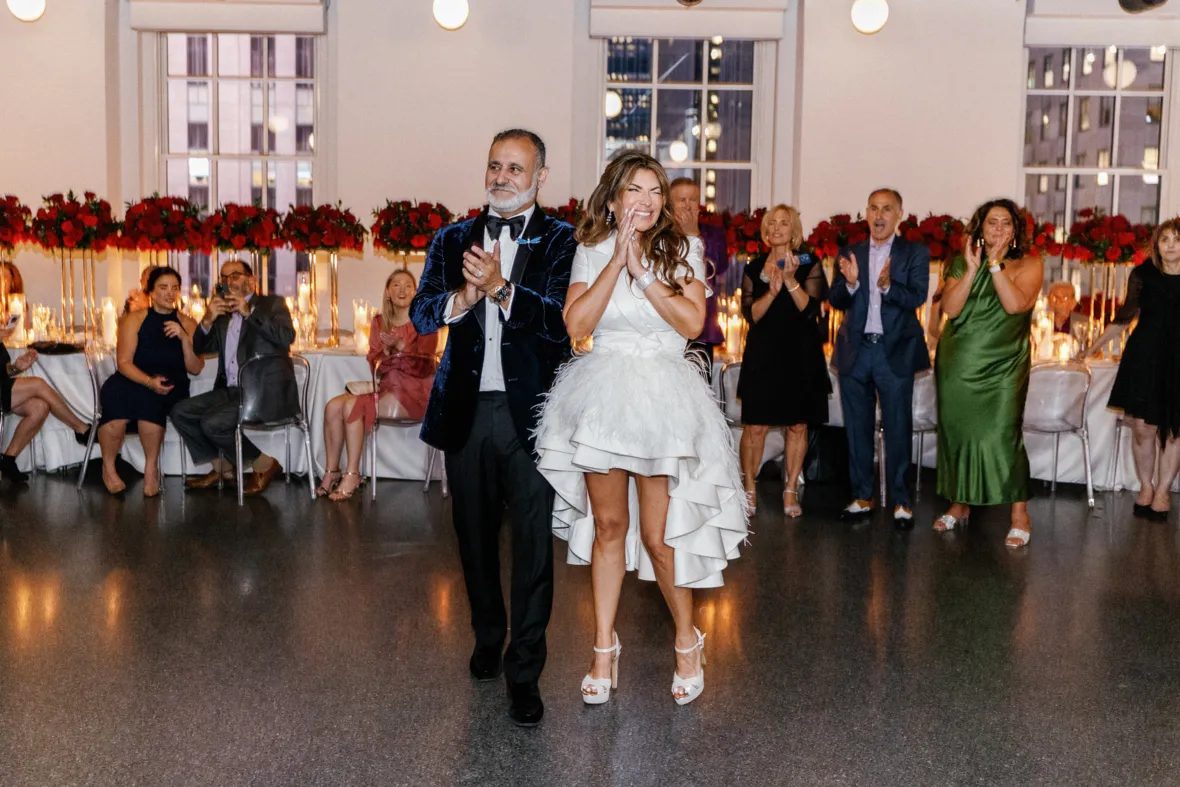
point(501, 294)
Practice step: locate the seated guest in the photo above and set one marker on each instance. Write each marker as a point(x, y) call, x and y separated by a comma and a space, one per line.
point(138, 298)
point(405, 374)
point(31, 398)
point(239, 326)
point(155, 357)
point(1062, 302)
point(685, 196)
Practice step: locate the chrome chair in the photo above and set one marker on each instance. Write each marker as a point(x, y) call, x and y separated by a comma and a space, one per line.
point(731, 408)
point(432, 453)
point(925, 416)
point(258, 409)
point(1056, 404)
point(99, 368)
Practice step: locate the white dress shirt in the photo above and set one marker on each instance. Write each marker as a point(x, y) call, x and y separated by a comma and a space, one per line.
point(233, 337)
point(492, 377)
point(878, 256)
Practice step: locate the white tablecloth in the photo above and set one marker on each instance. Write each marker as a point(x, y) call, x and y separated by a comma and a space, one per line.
point(1100, 421)
point(400, 454)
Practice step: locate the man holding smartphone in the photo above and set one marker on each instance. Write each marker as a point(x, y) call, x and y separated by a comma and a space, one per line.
point(238, 326)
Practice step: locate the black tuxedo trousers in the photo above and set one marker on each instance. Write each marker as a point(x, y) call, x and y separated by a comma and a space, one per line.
point(492, 470)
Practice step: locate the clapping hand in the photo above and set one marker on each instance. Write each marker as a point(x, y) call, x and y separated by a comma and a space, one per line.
point(391, 342)
point(883, 280)
point(973, 253)
point(849, 269)
point(482, 270)
point(26, 361)
point(775, 279)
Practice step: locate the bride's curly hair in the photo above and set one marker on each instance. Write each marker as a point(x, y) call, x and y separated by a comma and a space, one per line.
point(664, 245)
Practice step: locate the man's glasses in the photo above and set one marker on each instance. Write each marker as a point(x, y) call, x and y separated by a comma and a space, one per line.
point(232, 276)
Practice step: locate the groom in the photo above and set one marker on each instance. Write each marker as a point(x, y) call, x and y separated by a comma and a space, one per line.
point(879, 348)
point(499, 281)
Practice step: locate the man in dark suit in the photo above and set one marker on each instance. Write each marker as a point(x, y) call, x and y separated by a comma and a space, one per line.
point(879, 348)
point(237, 327)
point(499, 281)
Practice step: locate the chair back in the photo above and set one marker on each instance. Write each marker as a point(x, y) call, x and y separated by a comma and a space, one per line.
point(100, 367)
point(730, 406)
point(925, 402)
point(421, 364)
point(1057, 394)
point(268, 397)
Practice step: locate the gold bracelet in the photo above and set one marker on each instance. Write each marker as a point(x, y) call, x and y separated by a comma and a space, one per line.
point(792, 289)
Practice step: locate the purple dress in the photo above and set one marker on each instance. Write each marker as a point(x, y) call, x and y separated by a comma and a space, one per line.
point(716, 269)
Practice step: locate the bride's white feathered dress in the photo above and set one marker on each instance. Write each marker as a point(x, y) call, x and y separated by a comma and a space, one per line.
point(636, 403)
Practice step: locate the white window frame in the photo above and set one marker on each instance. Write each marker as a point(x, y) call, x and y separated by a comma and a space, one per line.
point(762, 92)
point(1073, 94)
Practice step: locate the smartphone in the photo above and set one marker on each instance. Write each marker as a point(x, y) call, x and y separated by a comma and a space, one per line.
point(221, 290)
point(804, 259)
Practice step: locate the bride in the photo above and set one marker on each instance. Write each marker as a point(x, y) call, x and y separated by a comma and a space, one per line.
point(630, 436)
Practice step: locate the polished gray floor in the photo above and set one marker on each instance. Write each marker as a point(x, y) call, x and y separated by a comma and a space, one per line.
point(185, 641)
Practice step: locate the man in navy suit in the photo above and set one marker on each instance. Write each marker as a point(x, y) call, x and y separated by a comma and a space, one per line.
point(499, 281)
point(880, 347)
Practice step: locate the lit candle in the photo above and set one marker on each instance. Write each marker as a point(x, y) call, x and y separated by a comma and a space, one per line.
point(197, 309)
point(360, 336)
point(1064, 352)
point(16, 308)
point(304, 297)
point(110, 322)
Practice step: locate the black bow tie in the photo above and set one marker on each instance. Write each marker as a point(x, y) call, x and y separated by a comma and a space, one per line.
point(515, 226)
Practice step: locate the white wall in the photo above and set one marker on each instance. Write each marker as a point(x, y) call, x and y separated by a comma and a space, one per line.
point(54, 133)
point(931, 105)
point(416, 106)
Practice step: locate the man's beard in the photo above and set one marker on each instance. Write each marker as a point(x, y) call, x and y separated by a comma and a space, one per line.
point(513, 203)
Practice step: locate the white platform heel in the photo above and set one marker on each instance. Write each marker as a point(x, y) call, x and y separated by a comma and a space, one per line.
point(596, 691)
point(691, 687)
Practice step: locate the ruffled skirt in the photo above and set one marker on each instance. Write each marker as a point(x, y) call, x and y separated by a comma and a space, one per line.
point(650, 415)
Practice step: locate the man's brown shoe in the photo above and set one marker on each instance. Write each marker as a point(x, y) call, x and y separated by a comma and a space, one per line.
point(206, 481)
point(257, 483)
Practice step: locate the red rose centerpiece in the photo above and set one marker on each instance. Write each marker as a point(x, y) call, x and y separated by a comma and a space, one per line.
point(67, 227)
point(406, 228)
point(837, 232)
point(163, 224)
point(328, 228)
point(1107, 241)
point(246, 228)
point(570, 213)
point(14, 224)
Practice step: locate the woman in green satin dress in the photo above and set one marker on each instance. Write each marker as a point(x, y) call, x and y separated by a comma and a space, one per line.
point(982, 369)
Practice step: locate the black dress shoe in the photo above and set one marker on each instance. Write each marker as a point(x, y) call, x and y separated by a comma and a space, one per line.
point(1157, 516)
point(525, 708)
point(1142, 511)
point(486, 664)
point(903, 524)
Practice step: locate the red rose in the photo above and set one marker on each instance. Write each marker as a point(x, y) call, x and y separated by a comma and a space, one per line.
point(418, 241)
point(1139, 256)
point(239, 241)
point(1112, 254)
point(435, 221)
point(752, 247)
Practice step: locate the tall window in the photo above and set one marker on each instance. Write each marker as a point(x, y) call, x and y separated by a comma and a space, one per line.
point(1102, 109)
point(241, 127)
point(690, 104)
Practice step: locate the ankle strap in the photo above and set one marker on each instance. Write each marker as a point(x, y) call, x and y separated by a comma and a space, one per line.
point(700, 643)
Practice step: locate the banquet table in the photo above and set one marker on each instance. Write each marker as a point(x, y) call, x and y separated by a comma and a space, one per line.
point(1100, 421)
point(400, 454)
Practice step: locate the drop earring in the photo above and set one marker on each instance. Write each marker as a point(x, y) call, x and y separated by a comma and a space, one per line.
point(610, 216)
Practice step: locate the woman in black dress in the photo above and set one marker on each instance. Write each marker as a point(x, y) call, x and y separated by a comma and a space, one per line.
point(31, 398)
point(784, 379)
point(1147, 387)
point(155, 357)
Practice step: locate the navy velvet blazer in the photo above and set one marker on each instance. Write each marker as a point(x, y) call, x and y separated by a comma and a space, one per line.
point(905, 344)
point(533, 343)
